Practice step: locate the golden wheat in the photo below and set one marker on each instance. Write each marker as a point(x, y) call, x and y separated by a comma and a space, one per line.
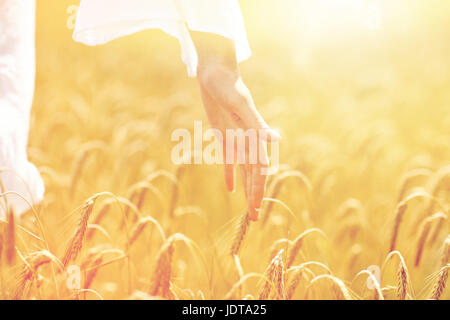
point(10, 239)
point(275, 277)
point(240, 233)
point(163, 270)
point(76, 243)
point(440, 284)
point(354, 164)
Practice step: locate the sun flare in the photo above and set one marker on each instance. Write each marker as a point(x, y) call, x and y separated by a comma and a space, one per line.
point(340, 16)
point(359, 208)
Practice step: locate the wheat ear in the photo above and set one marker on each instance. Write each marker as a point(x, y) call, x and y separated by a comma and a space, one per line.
point(240, 233)
point(425, 230)
point(162, 273)
point(401, 208)
point(445, 256)
point(275, 276)
point(76, 242)
point(441, 281)
point(402, 275)
point(30, 270)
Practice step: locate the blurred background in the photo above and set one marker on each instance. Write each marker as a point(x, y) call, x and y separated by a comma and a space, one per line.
point(358, 89)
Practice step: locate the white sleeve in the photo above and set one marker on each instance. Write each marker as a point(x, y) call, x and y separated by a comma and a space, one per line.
point(17, 75)
point(222, 17)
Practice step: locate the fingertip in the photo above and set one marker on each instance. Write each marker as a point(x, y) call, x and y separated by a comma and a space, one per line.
point(258, 204)
point(253, 214)
point(229, 183)
point(271, 135)
point(258, 183)
point(229, 177)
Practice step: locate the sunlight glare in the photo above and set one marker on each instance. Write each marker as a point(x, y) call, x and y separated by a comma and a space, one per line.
point(339, 16)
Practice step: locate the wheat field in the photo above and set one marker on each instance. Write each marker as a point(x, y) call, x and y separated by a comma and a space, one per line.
point(358, 210)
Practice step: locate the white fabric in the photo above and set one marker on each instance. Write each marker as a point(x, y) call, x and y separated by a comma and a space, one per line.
point(100, 21)
point(17, 73)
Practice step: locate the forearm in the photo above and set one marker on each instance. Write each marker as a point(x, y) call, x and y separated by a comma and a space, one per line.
point(226, 88)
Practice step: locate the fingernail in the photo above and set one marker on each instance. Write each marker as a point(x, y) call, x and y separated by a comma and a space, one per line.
point(273, 135)
point(230, 186)
point(254, 215)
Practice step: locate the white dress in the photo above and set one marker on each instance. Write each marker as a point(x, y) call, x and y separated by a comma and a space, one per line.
point(100, 21)
point(17, 72)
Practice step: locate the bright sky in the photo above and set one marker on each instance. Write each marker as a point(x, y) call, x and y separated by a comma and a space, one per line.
point(340, 15)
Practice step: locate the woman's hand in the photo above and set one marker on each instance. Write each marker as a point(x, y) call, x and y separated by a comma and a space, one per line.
point(231, 110)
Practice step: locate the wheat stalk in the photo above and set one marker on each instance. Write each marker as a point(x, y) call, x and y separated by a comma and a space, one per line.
point(438, 229)
point(137, 194)
point(445, 256)
point(275, 276)
point(92, 261)
point(275, 188)
point(441, 282)
point(100, 215)
point(76, 242)
point(400, 212)
point(401, 208)
point(425, 230)
point(402, 276)
point(1, 242)
point(348, 207)
point(30, 270)
point(10, 239)
point(378, 292)
point(141, 225)
point(175, 191)
point(240, 233)
point(296, 278)
point(408, 179)
point(275, 248)
point(240, 271)
point(441, 180)
point(92, 273)
point(162, 273)
point(337, 284)
point(140, 295)
point(297, 244)
point(131, 199)
point(80, 161)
